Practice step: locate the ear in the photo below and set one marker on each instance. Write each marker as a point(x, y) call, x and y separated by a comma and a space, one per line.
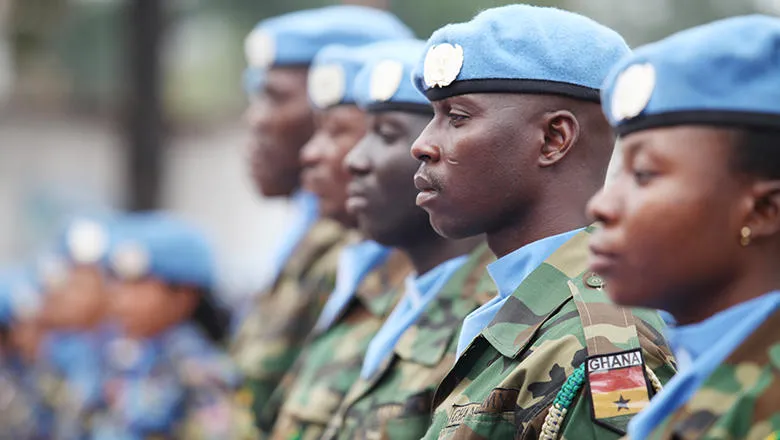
point(764, 220)
point(561, 132)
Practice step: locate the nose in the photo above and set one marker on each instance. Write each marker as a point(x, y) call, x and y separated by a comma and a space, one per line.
point(425, 148)
point(604, 206)
point(356, 162)
point(311, 153)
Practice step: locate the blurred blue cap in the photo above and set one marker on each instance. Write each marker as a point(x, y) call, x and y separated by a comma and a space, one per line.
point(384, 83)
point(723, 73)
point(294, 39)
point(520, 49)
point(159, 245)
point(19, 296)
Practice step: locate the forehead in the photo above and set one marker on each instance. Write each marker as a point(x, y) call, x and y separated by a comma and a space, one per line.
point(685, 143)
point(287, 78)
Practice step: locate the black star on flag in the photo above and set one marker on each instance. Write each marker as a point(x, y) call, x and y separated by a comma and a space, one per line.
point(622, 403)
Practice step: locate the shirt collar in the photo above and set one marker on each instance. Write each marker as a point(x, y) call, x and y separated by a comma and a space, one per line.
point(509, 271)
point(689, 342)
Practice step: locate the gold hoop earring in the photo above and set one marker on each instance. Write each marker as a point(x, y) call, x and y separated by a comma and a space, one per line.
point(745, 234)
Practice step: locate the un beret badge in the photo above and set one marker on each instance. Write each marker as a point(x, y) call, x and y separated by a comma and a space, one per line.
point(130, 261)
point(442, 64)
point(260, 49)
point(86, 242)
point(632, 92)
point(327, 85)
point(386, 79)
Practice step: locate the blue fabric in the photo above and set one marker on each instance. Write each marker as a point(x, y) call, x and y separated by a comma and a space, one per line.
point(298, 36)
point(178, 252)
point(699, 349)
point(419, 292)
point(306, 215)
point(508, 272)
point(352, 60)
point(149, 387)
point(355, 262)
point(63, 247)
point(530, 43)
point(404, 52)
point(729, 65)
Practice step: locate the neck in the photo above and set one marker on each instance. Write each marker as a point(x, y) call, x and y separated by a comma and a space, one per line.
point(758, 279)
point(534, 225)
point(427, 254)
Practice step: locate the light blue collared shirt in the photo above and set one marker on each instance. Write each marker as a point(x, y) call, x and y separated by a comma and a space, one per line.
point(508, 272)
point(307, 212)
point(699, 349)
point(419, 291)
point(355, 262)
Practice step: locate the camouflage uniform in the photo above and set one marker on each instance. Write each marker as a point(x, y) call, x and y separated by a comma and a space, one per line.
point(395, 402)
point(332, 359)
point(739, 400)
point(271, 336)
point(505, 383)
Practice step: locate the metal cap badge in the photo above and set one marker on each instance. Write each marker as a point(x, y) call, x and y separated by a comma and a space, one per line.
point(442, 64)
point(260, 49)
point(633, 89)
point(86, 242)
point(386, 80)
point(326, 85)
point(130, 261)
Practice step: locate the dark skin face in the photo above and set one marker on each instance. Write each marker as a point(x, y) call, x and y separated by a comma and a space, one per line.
point(338, 130)
point(493, 163)
point(671, 225)
point(382, 193)
point(148, 307)
point(79, 303)
point(281, 122)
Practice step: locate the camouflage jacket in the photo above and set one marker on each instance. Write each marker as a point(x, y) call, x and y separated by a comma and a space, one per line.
point(507, 380)
point(395, 403)
point(332, 358)
point(740, 400)
point(272, 334)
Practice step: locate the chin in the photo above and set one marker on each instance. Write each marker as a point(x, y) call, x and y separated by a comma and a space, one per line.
point(452, 228)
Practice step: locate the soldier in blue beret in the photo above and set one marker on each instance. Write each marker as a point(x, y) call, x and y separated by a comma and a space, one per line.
point(691, 222)
point(411, 351)
point(279, 52)
point(367, 271)
point(165, 375)
point(21, 415)
point(516, 147)
point(73, 316)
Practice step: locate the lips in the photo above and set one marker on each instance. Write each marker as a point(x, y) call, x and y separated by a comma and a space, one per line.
point(601, 259)
point(428, 192)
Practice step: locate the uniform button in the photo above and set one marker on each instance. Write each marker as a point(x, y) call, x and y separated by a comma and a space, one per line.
point(594, 280)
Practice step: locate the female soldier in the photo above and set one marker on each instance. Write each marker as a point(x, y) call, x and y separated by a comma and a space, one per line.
point(691, 224)
point(166, 377)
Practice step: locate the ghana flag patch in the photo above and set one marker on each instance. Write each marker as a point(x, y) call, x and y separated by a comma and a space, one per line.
point(618, 387)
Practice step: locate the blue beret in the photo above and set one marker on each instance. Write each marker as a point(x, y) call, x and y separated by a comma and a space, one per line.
point(294, 39)
point(384, 82)
point(520, 49)
point(158, 245)
point(19, 295)
point(723, 73)
point(334, 70)
point(84, 240)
